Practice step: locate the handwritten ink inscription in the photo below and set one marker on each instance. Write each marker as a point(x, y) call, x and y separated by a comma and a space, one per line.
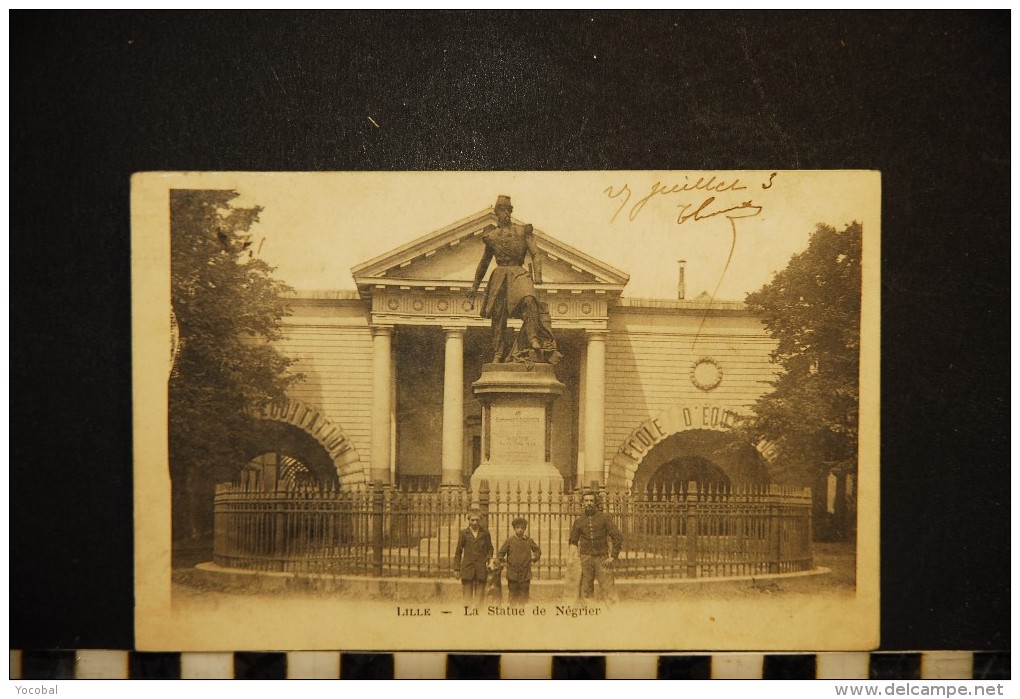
point(695, 200)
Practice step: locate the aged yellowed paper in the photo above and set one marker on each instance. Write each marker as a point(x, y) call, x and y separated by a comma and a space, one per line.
point(498, 411)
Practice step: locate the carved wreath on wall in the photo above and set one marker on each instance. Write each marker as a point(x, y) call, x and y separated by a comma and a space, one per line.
point(706, 374)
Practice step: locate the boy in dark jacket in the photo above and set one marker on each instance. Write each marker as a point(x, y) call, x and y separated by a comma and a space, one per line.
point(470, 562)
point(518, 553)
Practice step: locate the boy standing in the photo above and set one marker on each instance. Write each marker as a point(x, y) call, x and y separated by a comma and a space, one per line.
point(518, 553)
point(474, 549)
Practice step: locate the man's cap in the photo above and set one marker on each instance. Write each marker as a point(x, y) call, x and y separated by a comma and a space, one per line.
point(519, 520)
point(502, 201)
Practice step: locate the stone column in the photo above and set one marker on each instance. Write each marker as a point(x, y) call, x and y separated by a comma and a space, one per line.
point(381, 399)
point(393, 417)
point(595, 407)
point(453, 407)
point(582, 397)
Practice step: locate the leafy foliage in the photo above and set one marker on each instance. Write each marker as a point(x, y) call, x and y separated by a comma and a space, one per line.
point(813, 310)
point(228, 307)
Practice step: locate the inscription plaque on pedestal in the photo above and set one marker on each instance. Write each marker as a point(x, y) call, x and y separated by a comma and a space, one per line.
point(517, 434)
point(517, 402)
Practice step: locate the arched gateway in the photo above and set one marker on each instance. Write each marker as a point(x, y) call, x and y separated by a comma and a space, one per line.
point(341, 453)
point(685, 442)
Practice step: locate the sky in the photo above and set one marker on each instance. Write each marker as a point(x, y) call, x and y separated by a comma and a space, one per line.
point(316, 226)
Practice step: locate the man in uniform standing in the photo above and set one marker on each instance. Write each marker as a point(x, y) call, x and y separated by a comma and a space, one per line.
point(598, 541)
point(510, 292)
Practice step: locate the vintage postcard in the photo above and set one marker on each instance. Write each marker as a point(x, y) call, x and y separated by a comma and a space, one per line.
point(507, 411)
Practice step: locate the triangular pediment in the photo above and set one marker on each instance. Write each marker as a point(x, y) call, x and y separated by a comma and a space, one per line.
point(449, 257)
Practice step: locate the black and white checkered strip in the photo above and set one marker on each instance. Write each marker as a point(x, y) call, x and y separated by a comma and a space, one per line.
point(105, 664)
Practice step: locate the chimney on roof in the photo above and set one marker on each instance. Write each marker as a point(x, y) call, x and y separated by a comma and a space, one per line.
point(681, 288)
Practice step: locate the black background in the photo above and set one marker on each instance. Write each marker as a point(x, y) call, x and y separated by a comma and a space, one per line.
point(922, 97)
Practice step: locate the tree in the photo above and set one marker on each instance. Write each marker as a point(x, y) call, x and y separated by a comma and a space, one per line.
point(228, 308)
point(813, 311)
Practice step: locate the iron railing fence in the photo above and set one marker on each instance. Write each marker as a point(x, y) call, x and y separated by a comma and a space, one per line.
point(698, 531)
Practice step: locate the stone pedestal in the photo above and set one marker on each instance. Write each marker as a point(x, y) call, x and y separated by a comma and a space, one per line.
point(517, 403)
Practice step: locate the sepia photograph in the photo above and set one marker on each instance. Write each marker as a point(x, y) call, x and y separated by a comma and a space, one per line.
point(506, 411)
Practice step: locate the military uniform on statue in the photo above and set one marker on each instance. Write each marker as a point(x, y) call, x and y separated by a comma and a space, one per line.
point(510, 292)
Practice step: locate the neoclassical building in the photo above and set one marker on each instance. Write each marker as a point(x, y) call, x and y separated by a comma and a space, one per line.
point(650, 385)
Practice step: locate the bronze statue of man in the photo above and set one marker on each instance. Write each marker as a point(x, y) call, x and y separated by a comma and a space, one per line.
point(510, 292)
